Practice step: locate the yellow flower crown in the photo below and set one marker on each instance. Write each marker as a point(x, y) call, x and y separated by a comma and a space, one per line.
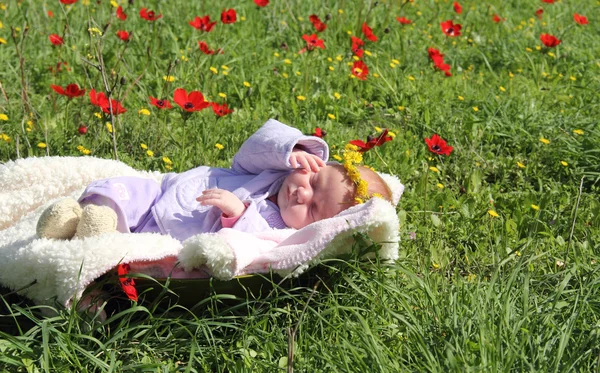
point(352, 157)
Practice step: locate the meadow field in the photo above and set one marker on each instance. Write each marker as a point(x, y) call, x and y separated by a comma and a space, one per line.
point(500, 237)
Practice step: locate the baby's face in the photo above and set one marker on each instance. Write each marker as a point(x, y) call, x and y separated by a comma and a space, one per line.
point(307, 196)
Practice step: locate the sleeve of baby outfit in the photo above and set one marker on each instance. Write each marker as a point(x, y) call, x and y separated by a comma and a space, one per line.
point(250, 221)
point(270, 148)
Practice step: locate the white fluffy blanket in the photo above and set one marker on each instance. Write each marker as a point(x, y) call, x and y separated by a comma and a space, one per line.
point(61, 270)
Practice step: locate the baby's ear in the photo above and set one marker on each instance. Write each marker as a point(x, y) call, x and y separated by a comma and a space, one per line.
point(395, 186)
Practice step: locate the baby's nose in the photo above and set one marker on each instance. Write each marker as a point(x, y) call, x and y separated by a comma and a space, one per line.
point(304, 195)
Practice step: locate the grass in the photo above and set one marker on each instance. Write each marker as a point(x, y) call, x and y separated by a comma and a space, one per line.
point(471, 292)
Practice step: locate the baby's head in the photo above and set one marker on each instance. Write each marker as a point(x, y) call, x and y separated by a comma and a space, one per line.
point(306, 196)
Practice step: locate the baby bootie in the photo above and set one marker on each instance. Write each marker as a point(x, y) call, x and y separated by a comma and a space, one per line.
point(96, 220)
point(60, 220)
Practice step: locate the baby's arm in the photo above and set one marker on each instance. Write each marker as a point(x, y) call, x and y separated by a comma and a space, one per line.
point(226, 201)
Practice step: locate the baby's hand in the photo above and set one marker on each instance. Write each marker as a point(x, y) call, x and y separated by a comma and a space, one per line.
point(228, 202)
point(306, 160)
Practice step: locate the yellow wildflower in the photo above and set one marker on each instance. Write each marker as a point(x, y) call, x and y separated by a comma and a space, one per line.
point(284, 75)
point(331, 116)
point(401, 108)
point(550, 54)
point(214, 70)
point(391, 134)
point(573, 78)
point(219, 146)
point(461, 98)
point(410, 77)
point(3, 117)
point(150, 153)
point(288, 61)
point(440, 185)
point(298, 73)
point(337, 95)
point(341, 11)
point(144, 112)
point(435, 265)
point(368, 53)
point(337, 157)
point(434, 169)
point(114, 4)
point(4, 137)
point(301, 98)
point(396, 62)
point(276, 54)
point(544, 140)
point(169, 78)
point(331, 68)
point(535, 207)
point(564, 163)
point(42, 145)
point(224, 67)
point(338, 58)
point(222, 95)
point(493, 213)
point(529, 49)
point(109, 127)
point(98, 115)
point(502, 89)
point(167, 160)
point(475, 108)
point(94, 30)
point(2, 41)
point(246, 84)
point(578, 132)
point(521, 165)
point(378, 129)
point(144, 146)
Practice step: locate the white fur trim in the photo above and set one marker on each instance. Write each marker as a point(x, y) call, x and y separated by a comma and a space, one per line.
point(395, 185)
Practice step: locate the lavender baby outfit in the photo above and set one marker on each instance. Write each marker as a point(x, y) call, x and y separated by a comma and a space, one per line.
point(258, 170)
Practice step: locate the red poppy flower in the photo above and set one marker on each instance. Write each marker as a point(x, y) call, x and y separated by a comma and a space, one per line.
point(229, 16)
point(582, 20)
point(312, 42)
point(203, 23)
point(319, 132)
point(360, 70)
point(261, 2)
point(549, 40)
point(450, 29)
point(356, 44)
point(127, 283)
point(72, 90)
point(192, 102)
point(121, 14)
point(438, 60)
point(368, 32)
point(98, 98)
point(438, 145)
point(539, 12)
point(496, 18)
point(457, 7)
point(123, 35)
point(319, 26)
point(548, 1)
point(82, 130)
point(372, 141)
point(161, 104)
point(204, 48)
point(149, 15)
point(50, 14)
point(117, 108)
point(403, 20)
point(68, 2)
point(221, 110)
point(55, 39)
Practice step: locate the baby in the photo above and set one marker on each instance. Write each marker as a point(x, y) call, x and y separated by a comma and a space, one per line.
point(279, 179)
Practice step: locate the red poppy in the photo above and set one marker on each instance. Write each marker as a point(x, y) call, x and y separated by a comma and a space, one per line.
point(457, 7)
point(261, 2)
point(372, 141)
point(548, 1)
point(229, 16)
point(319, 26)
point(127, 283)
point(450, 29)
point(192, 102)
point(55, 39)
point(98, 98)
point(204, 48)
point(319, 132)
point(539, 12)
point(582, 20)
point(82, 130)
point(161, 104)
point(312, 42)
point(72, 90)
point(403, 20)
point(121, 14)
point(360, 70)
point(123, 35)
point(149, 15)
point(368, 32)
point(496, 18)
point(549, 40)
point(203, 23)
point(68, 2)
point(438, 145)
point(356, 44)
point(221, 110)
point(117, 108)
point(50, 14)
point(438, 61)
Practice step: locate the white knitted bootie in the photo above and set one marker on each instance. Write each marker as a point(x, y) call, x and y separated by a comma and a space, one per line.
point(96, 220)
point(60, 220)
